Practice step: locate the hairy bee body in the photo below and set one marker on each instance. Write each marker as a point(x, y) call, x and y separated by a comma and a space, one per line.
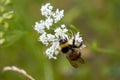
point(71, 51)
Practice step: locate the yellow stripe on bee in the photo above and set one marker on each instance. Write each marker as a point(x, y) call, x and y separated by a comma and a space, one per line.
point(64, 45)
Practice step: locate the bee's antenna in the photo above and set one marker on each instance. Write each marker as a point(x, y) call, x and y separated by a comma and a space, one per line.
point(66, 38)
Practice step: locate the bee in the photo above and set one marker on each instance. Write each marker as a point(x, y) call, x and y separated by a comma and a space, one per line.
point(71, 51)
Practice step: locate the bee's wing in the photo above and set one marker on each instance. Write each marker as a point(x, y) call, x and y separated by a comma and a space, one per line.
point(81, 60)
point(73, 63)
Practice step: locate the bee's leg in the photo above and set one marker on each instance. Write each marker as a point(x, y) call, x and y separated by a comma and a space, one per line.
point(66, 38)
point(73, 42)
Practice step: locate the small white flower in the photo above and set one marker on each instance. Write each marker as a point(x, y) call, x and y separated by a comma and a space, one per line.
point(46, 10)
point(49, 53)
point(39, 27)
point(52, 51)
point(50, 37)
point(43, 39)
point(61, 31)
point(63, 26)
point(56, 44)
point(58, 15)
point(78, 38)
point(48, 22)
point(46, 39)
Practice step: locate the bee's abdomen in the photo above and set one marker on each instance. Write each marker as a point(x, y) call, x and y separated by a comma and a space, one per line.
point(65, 49)
point(75, 56)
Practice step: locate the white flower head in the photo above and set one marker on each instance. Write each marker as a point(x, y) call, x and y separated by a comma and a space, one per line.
point(78, 38)
point(58, 15)
point(43, 39)
point(51, 40)
point(52, 51)
point(39, 26)
point(51, 17)
point(48, 22)
point(61, 31)
point(46, 10)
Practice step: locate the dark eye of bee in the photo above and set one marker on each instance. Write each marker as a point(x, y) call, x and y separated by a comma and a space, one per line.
point(62, 41)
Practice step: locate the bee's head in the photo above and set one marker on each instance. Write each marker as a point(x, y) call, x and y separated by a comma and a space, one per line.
point(63, 41)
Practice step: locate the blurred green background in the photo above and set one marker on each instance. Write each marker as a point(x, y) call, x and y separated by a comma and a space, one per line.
point(98, 22)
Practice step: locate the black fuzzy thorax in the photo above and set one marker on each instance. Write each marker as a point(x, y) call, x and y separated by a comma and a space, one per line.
point(66, 49)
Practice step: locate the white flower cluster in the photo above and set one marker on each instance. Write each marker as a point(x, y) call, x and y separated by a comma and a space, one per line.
point(51, 17)
point(46, 11)
point(53, 40)
point(60, 32)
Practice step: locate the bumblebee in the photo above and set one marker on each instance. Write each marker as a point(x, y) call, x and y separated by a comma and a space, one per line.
point(71, 51)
